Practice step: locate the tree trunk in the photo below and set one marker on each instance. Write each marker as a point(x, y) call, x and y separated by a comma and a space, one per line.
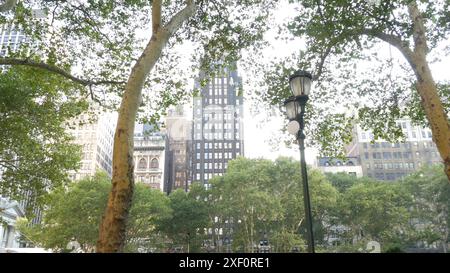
point(434, 110)
point(113, 225)
point(427, 89)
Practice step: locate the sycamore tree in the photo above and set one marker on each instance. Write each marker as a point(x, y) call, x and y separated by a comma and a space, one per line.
point(355, 82)
point(111, 47)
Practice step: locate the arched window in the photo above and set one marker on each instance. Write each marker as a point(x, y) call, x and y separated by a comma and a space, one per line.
point(327, 163)
point(142, 163)
point(350, 163)
point(154, 164)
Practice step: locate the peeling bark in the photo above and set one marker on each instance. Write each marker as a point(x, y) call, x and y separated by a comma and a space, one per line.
point(113, 225)
point(427, 89)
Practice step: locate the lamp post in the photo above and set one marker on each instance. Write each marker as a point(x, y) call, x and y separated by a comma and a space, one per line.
point(300, 85)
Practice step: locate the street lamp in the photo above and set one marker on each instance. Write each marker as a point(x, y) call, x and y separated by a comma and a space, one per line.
point(300, 84)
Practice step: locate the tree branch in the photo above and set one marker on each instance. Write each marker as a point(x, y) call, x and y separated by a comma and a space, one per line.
point(180, 17)
point(56, 70)
point(156, 15)
point(396, 41)
point(321, 62)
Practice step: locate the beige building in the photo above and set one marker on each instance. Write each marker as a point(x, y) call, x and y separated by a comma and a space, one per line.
point(389, 161)
point(96, 139)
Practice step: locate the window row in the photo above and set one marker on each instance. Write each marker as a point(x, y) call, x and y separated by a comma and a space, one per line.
point(391, 166)
point(218, 145)
point(211, 166)
point(217, 136)
point(228, 155)
point(217, 125)
point(154, 164)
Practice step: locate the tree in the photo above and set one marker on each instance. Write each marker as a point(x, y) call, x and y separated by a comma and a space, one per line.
point(244, 200)
point(259, 199)
point(81, 32)
point(375, 210)
point(343, 41)
point(35, 151)
point(430, 205)
point(74, 213)
point(189, 220)
point(341, 181)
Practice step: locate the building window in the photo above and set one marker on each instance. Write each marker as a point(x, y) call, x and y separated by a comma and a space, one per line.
point(198, 166)
point(154, 164)
point(198, 176)
point(142, 164)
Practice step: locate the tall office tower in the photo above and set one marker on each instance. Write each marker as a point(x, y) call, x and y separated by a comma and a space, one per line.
point(179, 135)
point(217, 134)
point(95, 134)
point(388, 161)
point(149, 156)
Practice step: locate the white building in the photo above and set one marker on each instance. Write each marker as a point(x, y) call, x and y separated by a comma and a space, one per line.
point(10, 211)
point(149, 157)
point(96, 140)
point(349, 166)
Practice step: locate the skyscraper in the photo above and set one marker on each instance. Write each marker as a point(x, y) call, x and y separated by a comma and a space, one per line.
point(217, 133)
